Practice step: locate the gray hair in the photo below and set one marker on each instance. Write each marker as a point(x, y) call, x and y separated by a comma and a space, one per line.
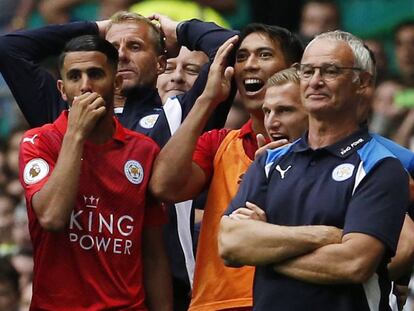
point(362, 57)
point(289, 75)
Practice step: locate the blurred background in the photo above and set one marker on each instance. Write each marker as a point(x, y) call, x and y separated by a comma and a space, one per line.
point(387, 26)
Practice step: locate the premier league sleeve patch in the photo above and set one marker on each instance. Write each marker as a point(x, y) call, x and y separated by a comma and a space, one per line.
point(35, 170)
point(134, 171)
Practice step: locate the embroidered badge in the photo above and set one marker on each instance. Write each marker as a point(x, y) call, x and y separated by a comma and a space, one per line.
point(343, 172)
point(148, 121)
point(35, 170)
point(134, 171)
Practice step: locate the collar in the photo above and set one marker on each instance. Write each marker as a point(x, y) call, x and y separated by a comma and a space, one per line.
point(61, 125)
point(343, 148)
point(145, 96)
point(139, 101)
point(246, 129)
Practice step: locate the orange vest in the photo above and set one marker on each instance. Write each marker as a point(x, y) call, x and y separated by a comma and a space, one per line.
point(217, 287)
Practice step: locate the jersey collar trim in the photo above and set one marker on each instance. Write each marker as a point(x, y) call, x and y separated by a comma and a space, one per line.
point(342, 148)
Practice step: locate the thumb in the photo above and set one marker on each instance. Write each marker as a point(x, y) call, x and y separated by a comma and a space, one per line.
point(261, 141)
point(228, 73)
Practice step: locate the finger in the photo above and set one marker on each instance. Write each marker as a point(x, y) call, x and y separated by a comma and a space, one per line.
point(81, 97)
point(97, 103)
point(259, 152)
point(270, 146)
point(255, 208)
point(261, 140)
point(228, 73)
point(238, 217)
point(224, 50)
point(153, 16)
point(243, 211)
point(277, 143)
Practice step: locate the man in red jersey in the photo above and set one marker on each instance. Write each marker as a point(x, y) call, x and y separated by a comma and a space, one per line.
point(96, 235)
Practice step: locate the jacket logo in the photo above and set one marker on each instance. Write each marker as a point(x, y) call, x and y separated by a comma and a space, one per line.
point(281, 171)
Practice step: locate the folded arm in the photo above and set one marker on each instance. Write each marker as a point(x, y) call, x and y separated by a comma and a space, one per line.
point(353, 261)
point(253, 242)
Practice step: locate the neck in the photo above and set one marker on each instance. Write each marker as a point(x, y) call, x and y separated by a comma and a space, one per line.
point(323, 133)
point(119, 100)
point(103, 130)
point(257, 123)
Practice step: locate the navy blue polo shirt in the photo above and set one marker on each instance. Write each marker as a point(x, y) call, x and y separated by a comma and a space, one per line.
point(355, 184)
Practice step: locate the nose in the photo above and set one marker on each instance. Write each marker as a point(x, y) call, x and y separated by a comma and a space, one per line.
point(177, 75)
point(316, 79)
point(272, 121)
point(86, 85)
point(122, 52)
point(252, 62)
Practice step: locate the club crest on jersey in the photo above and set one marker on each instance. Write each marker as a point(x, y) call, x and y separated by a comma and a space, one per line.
point(148, 121)
point(343, 172)
point(35, 170)
point(134, 171)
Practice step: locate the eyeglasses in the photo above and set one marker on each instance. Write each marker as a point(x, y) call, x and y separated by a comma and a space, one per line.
point(326, 71)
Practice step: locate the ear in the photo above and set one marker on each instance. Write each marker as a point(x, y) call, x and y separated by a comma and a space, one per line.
point(61, 89)
point(161, 64)
point(365, 82)
point(118, 83)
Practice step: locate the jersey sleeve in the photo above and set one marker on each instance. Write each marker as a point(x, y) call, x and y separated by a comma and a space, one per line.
point(206, 149)
point(253, 187)
point(206, 37)
point(36, 163)
point(379, 203)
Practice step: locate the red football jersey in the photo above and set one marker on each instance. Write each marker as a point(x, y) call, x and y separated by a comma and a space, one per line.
point(95, 262)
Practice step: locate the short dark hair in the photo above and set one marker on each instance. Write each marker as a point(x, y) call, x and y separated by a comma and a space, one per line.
point(90, 43)
point(292, 47)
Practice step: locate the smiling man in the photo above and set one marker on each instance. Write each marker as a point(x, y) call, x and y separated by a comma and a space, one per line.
point(220, 157)
point(335, 176)
point(180, 73)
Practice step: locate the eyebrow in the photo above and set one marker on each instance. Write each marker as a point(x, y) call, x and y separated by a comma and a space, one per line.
point(259, 49)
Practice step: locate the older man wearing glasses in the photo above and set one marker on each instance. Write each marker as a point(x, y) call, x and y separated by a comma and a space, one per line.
point(335, 176)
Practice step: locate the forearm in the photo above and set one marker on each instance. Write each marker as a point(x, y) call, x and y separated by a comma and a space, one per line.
point(36, 44)
point(54, 203)
point(157, 276)
point(403, 260)
point(203, 36)
point(251, 242)
point(173, 169)
point(336, 263)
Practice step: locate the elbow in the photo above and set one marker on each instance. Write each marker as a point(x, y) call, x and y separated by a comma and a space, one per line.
point(360, 272)
point(162, 191)
point(51, 224)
